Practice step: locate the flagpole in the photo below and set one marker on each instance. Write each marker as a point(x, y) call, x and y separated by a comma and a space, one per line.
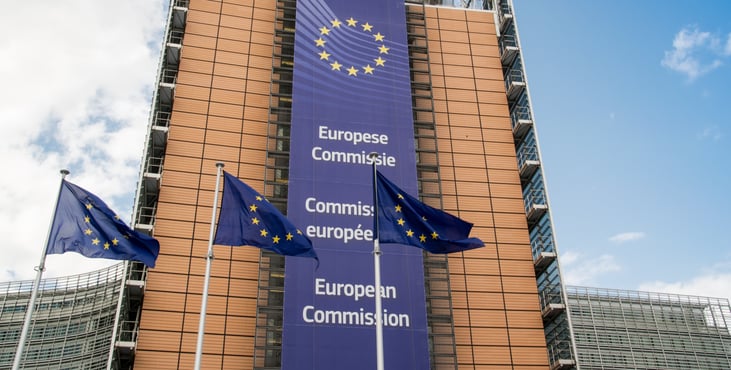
point(37, 282)
point(120, 301)
point(377, 269)
point(209, 259)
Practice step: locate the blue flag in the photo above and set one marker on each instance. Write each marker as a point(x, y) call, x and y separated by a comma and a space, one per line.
point(403, 219)
point(247, 218)
point(84, 224)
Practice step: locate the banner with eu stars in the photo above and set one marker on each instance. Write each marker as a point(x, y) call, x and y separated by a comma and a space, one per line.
point(351, 95)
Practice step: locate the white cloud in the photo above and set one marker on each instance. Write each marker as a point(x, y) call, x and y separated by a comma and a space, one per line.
point(584, 271)
point(717, 285)
point(76, 95)
point(713, 281)
point(695, 52)
point(568, 258)
point(727, 50)
point(710, 133)
point(627, 237)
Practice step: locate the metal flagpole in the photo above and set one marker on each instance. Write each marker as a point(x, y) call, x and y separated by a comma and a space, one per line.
point(377, 269)
point(34, 293)
point(120, 300)
point(209, 259)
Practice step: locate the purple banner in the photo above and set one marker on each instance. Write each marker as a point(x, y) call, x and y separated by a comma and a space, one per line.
point(351, 97)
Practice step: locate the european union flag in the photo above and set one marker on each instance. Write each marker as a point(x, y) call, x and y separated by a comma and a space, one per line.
point(247, 218)
point(83, 223)
point(403, 219)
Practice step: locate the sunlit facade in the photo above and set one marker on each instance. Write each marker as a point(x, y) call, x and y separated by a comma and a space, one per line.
point(225, 93)
point(624, 329)
point(72, 323)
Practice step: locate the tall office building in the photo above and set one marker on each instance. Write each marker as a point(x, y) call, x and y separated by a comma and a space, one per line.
point(292, 96)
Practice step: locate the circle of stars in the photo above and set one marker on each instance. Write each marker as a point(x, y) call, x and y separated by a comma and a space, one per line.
point(409, 232)
point(95, 241)
point(367, 69)
point(263, 232)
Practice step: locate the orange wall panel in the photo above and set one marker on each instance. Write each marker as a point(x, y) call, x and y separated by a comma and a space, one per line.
point(477, 159)
point(145, 359)
point(230, 70)
point(194, 65)
point(203, 17)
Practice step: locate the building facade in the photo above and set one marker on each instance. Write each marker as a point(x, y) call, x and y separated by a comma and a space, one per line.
point(73, 321)
point(229, 91)
point(622, 329)
point(77, 317)
point(231, 87)
point(225, 93)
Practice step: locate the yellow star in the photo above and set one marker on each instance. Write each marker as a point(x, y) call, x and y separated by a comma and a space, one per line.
point(352, 71)
point(87, 231)
point(275, 239)
point(401, 222)
point(368, 69)
point(379, 62)
point(115, 241)
point(336, 23)
point(89, 206)
point(259, 198)
point(252, 208)
point(324, 55)
point(320, 42)
point(383, 49)
point(95, 241)
point(422, 238)
point(106, 245)
point(290, 236)
point(379, 37)
point(423, 218)
point(263, 232)
point(255, 221)
point(336, 66)
point(409, 233)
point(116, 217)
point(434, 235)
point(398, 208)
point(324, 30)
point(366, 27)
point(351, 22)
point(299, 232)
point(87, 219)
point(400, 196)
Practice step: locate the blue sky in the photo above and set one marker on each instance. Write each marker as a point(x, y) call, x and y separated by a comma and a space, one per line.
point(77, 80)
point(631, 102)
